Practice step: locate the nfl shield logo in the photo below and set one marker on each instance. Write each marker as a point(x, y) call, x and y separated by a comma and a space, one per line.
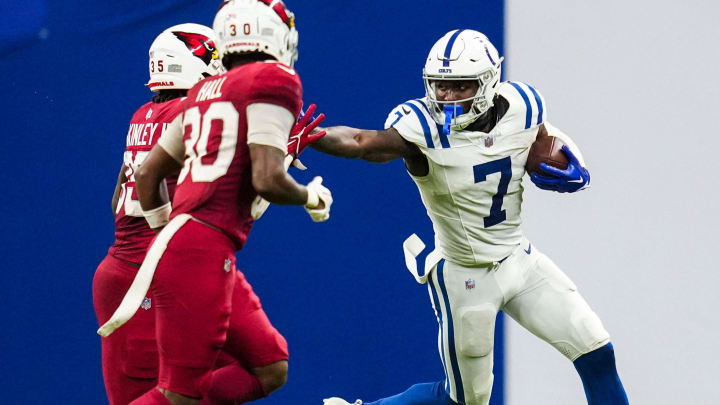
point(488, 141)
point(149, 114)
point(146, 304)
point(228, 265)
point(469, 284)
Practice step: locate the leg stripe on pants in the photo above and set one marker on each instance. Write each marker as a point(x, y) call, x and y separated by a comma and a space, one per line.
point(451, 336)
point(439, 310)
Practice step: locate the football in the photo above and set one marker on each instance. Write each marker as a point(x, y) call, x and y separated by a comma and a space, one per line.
point(546, 149)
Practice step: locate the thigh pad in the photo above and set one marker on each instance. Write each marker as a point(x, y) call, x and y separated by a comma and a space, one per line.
point(477, 330)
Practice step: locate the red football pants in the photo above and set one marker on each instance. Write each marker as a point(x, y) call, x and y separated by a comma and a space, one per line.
point(204, 305)
point(129, 355)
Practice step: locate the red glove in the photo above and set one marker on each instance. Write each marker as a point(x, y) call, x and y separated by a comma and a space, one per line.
point(301, 135)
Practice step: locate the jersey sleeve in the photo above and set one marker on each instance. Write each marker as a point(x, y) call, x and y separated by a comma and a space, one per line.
point(277, 84)
point(527, 108)
point(413, 122)
point(269, 124)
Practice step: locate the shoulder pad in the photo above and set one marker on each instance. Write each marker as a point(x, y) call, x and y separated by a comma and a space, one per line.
point(413, 121)
point(140, 113)
point(526, 107)
point(275, 83)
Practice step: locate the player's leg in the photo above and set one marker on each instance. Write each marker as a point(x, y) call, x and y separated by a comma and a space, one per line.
point(600, 378)
point(193, 286)
point(434, 393)
point(233, 383)
point(550, 307)
point(465, 301)
point(260, 351)
point(129, 356)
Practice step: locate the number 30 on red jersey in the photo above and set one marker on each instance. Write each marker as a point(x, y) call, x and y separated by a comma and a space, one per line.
point(196, 144)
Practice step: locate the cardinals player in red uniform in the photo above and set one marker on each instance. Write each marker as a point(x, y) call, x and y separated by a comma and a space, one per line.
point(179, 57)
point(230, 141)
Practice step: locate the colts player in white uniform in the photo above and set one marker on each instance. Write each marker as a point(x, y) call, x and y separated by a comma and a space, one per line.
point(465, 145)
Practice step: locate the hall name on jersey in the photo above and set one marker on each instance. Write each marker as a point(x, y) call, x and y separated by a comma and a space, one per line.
point(143, 134)
point(210, 90)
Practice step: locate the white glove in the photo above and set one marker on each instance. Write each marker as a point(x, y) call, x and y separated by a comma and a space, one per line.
point(258, 207)
point(318, 193)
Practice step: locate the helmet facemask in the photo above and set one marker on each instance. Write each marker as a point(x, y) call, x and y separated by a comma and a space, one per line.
point(462, 55)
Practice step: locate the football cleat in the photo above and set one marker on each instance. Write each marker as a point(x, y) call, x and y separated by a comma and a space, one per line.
point(339, 401)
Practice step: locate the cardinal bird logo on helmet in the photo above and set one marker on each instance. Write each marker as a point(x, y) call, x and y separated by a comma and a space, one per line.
point(200, 45)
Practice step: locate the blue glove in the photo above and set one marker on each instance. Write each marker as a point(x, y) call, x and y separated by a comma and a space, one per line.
point(570, 180)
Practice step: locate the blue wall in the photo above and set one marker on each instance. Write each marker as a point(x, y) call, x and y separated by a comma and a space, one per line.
point(73, 74)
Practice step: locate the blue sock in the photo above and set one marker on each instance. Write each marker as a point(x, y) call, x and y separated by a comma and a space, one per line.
point(419, 394)
point(600, 378)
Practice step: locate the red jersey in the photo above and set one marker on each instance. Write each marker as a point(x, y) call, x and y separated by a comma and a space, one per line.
point(215, 184)
point(132, 233)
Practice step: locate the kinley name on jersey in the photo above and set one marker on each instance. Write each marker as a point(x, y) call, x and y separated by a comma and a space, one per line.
point(143, 134)
point(473, 191)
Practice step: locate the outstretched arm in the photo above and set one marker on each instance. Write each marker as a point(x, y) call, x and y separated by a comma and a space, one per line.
point(374, 146)
point(267, 137)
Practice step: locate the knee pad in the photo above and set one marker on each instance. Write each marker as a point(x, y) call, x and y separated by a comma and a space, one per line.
point(477, 330)
point(587, 335)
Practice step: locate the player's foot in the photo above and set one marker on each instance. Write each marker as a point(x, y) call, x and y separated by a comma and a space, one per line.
point(339, 401)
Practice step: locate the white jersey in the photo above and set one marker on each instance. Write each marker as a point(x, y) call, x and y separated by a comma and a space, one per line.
point(473, 191)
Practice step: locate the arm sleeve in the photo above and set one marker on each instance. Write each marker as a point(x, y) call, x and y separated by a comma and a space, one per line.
point(171, 139)
point(554, 131)
point(269, 124)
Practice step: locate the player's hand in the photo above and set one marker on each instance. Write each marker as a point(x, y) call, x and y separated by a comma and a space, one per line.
point(302, 134)
point(570, 180)
point(319, 200)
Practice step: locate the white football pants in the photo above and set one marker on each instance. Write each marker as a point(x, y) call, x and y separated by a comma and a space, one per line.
point(530, 288)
